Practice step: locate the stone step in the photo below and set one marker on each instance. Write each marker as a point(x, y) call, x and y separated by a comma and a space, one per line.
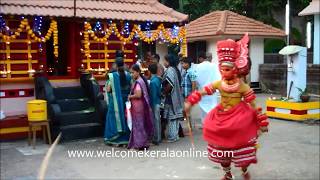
point(255, 86)
point(76, 117)
point(81, 131)
point(257, 90)
point(68, 105)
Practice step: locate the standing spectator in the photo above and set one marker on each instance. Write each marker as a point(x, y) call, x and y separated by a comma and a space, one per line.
point(156, 59)
point(206, 73)
point(179, 66)
point(117, 90)
point(148, 57)
point(119, 57)
point(209, 56)
point(145, 64)
point(173, 108)
point(155, 94)
point(141, 112)
point(202, 57)
point(188, 83)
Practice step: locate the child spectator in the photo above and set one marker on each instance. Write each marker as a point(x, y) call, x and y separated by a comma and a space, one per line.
point(188, 83)
point(155, 95)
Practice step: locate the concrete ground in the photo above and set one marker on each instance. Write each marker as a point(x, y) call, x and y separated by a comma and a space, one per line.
point(289, 151)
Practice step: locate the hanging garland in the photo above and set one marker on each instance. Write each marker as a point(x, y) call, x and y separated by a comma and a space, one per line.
point(24, 25)
point(136, 31)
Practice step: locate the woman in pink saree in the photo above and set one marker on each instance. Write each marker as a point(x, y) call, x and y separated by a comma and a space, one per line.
point(141, 112)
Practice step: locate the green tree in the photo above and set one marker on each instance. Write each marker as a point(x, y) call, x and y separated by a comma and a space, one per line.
point(197, 8)
point(174, 4)
point(261, 10)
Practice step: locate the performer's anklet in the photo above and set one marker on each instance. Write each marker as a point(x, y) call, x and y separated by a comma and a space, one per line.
point(246, 175)
point(227, 175)
point(227, 169)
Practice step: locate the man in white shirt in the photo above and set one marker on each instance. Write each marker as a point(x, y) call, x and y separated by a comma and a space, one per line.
point(207, 72)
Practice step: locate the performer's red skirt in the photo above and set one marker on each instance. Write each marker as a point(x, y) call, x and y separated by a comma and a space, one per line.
point(235, 129)
point(241, 157)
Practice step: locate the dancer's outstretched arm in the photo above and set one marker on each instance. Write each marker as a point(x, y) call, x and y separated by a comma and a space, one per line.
point(195, 96)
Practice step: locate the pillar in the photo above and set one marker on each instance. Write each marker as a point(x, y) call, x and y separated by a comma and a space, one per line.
point(316, 39)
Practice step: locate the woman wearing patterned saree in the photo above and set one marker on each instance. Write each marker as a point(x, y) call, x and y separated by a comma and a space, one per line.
point(173, 108)
point(141, 112)
point(117, 90)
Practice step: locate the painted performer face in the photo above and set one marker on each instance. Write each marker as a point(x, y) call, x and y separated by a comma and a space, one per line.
point(227, 72)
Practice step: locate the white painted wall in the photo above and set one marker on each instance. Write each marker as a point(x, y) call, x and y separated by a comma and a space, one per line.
point(212, 48)
point(256, 53)
point(162, 50)
point(316, 39)
point(17, 106)
point(257, 57)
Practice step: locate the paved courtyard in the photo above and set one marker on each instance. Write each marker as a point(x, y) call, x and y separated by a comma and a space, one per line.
point(289, 151)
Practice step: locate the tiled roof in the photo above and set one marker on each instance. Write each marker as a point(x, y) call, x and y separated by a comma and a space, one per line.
point(229, 23)
point(313, 8)
point(135, 10)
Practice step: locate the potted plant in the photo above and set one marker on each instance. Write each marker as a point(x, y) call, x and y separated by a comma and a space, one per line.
point(304, 95)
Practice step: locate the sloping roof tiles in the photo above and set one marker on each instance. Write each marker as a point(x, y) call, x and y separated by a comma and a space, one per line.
point(229, 23)
point(313, 8)
point(135, 10)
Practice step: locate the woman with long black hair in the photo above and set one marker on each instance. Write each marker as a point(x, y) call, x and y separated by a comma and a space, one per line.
point(173, 108)
point(117, 90)
point(141, 112)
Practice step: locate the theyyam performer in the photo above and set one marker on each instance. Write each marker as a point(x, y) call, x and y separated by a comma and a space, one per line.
point(235, 123)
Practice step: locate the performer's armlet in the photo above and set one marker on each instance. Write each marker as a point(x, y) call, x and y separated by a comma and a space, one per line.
point(216, 84)
point(249, 97)
point(211, 88)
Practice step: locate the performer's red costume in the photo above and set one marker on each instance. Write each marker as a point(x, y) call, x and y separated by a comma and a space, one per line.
point(234, 124)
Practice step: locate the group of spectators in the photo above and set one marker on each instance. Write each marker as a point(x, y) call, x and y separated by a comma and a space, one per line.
point(156, 92)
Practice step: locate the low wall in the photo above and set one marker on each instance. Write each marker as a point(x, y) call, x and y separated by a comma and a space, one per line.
point(274, 77)
point(275, 58)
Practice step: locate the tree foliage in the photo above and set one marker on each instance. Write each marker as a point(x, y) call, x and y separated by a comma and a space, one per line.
point(261, 10)
point(197, 8)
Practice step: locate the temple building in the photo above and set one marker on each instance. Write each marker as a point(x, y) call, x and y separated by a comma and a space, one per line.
point(59, 37)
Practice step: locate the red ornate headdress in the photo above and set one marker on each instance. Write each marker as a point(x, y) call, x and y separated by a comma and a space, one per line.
point(234, 54)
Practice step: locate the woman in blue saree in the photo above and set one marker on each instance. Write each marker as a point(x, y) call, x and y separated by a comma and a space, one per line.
point(117, 90)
